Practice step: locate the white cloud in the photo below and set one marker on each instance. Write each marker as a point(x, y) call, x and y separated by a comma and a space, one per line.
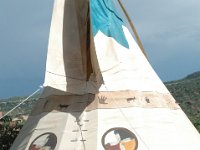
point(170, 31)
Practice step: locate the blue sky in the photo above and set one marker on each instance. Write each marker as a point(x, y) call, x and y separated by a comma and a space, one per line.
point(169, 31)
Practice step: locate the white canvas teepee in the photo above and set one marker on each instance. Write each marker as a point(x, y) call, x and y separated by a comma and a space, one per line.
point(100, 91)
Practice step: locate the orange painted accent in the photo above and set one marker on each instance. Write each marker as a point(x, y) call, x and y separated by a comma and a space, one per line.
point(129, 145)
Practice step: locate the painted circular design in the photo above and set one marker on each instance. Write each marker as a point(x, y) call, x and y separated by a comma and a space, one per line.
point(119, 139)
point(46, 141)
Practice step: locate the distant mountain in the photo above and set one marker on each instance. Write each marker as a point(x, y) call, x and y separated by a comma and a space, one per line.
point(25, 108)
point(186, 91)
point(194, 75)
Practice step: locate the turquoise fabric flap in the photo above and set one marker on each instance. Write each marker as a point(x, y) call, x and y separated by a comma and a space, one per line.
point(107, 20)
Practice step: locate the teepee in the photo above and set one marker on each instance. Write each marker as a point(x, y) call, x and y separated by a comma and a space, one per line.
point(100, 91)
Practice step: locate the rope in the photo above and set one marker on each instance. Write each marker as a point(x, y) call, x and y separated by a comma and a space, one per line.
point(127, 120)
point(137, 134)
point(133, 28)
point(22, 102)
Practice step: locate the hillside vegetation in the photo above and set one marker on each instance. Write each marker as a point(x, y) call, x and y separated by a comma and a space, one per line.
point(23, 109)
point(187, 93)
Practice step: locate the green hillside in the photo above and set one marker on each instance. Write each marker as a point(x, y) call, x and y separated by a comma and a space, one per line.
point(187, 93)
point(25, 108)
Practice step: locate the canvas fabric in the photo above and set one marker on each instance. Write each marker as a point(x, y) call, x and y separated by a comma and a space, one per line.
point(80, 128)
point(100, 90)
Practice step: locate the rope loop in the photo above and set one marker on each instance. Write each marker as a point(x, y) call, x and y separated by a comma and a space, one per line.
point(40, 87)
